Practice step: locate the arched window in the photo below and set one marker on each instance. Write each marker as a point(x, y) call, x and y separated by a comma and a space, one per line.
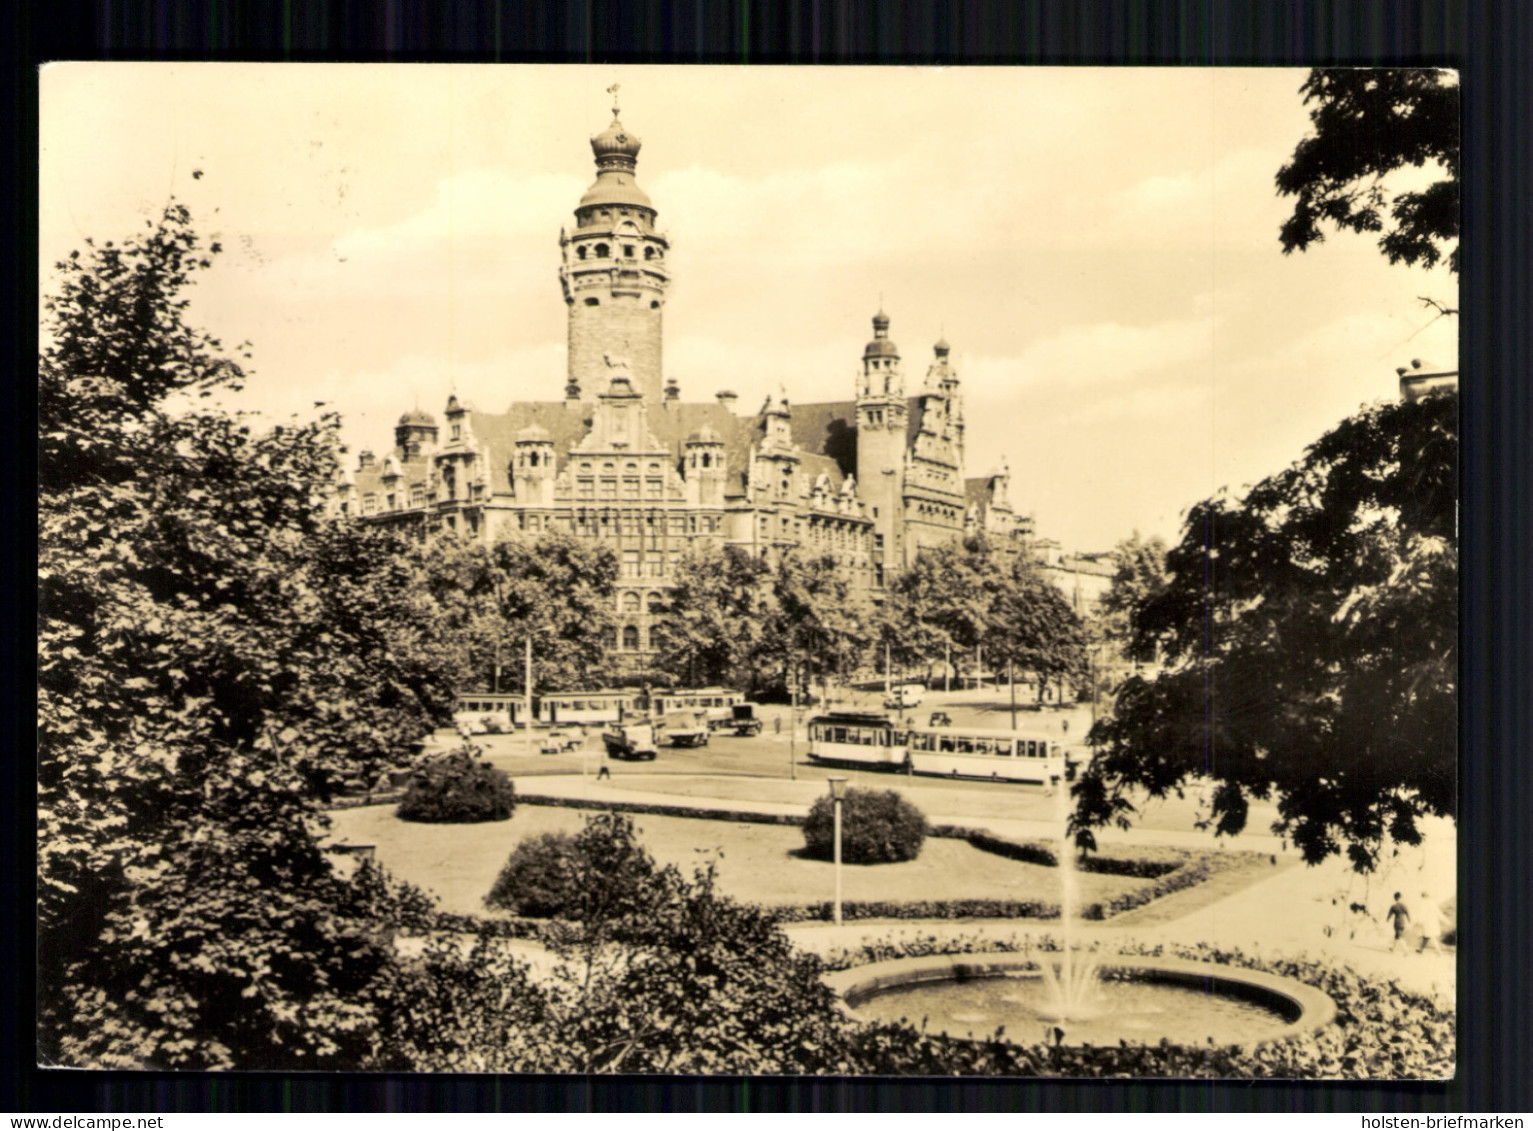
point(630, 638)
point(580, 252)
point(656, 604)
point(593, 302)
point(630, 602)
point(649, 253)
point(602, 251)
point(707, 460)
point(532, 459)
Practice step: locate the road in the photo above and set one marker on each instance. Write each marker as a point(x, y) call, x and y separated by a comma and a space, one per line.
point(776, 755)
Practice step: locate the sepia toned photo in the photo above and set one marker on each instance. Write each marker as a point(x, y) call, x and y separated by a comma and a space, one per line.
point(779, 571)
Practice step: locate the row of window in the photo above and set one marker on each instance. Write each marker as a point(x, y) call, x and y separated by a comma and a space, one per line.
point(603, 251)
point(634, 524)
point(974, 745)
point(606, 489)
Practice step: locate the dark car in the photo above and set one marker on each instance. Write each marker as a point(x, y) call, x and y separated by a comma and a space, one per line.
point(940, 719)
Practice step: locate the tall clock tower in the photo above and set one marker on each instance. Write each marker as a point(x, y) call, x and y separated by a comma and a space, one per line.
point(614, 273)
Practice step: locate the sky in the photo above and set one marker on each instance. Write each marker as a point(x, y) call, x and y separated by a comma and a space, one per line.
point(1099, 246)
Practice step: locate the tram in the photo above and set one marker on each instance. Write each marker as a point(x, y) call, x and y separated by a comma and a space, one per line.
point(485, 712)
point(716, 703)
point(869, 739)
point(584, 707)
point(873, 740)
point(1001, 755)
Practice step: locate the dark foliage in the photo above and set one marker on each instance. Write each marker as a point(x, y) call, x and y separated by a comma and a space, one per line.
point(878, 826)
point(213, 655)
point(1310, 632)
point(539, 880)
point(1369, 124)
point(458, 789)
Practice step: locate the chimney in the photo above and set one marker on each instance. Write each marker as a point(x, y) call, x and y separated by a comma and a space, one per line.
point(727, 399)
point(364, 460)
point(572, 394)
point(672, 390)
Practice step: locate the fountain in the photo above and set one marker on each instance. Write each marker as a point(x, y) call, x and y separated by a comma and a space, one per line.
point(1080, 997)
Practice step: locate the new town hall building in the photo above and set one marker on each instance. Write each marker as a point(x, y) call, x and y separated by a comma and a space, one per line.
point(622, 459)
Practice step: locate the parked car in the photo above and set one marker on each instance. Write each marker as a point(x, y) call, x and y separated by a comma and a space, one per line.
point(685, 728)
point(630, 740)
point(745, 723)
point(907, 696)
point(940, 719)
point(558, 740)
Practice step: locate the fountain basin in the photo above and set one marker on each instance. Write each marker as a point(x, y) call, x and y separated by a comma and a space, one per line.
point(1279, 1007)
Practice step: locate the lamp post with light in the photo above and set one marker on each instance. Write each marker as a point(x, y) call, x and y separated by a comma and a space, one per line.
point(837, 792)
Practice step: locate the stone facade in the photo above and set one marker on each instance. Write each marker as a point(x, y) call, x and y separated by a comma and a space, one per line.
point(624, 460)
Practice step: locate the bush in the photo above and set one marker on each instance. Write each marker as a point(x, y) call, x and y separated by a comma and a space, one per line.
point(878, 826)
point(455, 789)
point(539, 880)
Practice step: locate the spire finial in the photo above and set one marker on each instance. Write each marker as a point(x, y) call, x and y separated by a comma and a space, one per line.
point(612, 90)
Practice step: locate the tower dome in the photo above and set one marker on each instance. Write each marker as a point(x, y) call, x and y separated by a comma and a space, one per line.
point(615, 147)
point(880, 346)
point(418, 416)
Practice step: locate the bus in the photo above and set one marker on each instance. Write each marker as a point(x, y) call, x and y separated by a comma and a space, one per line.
point(999, 755)
point(717, 704)
point(582, 707)
point(868, 739)
point(487, 712)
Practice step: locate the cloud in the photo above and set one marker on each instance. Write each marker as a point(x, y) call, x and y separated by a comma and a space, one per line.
point(1092, 355)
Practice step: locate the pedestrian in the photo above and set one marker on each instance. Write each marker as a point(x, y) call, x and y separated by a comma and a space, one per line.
point(1064, 725)
point(1400, 915)
point(1431, 926)
point(604, 772)
point(777, 725)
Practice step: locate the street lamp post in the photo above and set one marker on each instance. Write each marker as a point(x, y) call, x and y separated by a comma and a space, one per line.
point(837, 792)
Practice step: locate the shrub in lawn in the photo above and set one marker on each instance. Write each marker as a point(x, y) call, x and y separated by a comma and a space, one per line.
point(540, 880)
point(878, 826)
point(456, 789)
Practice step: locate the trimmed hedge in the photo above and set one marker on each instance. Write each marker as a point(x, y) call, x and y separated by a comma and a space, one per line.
point(791, 819)
point(538, 880)
point(919, 909)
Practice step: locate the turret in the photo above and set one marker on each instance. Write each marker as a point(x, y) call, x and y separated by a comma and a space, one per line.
point(532, 468)
point(415, 433)
point(704, 466)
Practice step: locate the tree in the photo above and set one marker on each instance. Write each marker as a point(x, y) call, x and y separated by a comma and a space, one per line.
point(1031, 627)
point(659, 973)
point(211, 652)
point(711, 623)
point(812, 630)
point(1369, 124)
point(1139, 577)
point(556, 588)
point(1310, 633)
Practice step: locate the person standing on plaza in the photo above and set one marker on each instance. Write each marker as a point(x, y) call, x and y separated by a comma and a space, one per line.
point(1401, 917)
point(1431, 926)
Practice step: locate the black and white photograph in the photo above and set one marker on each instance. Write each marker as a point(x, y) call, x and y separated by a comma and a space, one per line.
point(769, 571)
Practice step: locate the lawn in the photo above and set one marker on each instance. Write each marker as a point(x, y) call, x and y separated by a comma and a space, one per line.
point(459, 863)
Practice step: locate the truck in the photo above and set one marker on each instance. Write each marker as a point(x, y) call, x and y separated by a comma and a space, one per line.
point(744, 721)
point(684, 728)
point(904, 696)
point(630, 741)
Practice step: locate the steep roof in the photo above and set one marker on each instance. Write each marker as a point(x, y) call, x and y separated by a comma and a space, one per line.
point(830, 430)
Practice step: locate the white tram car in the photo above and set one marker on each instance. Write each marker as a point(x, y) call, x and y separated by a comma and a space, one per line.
point(717, 704)
point(873, 740)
